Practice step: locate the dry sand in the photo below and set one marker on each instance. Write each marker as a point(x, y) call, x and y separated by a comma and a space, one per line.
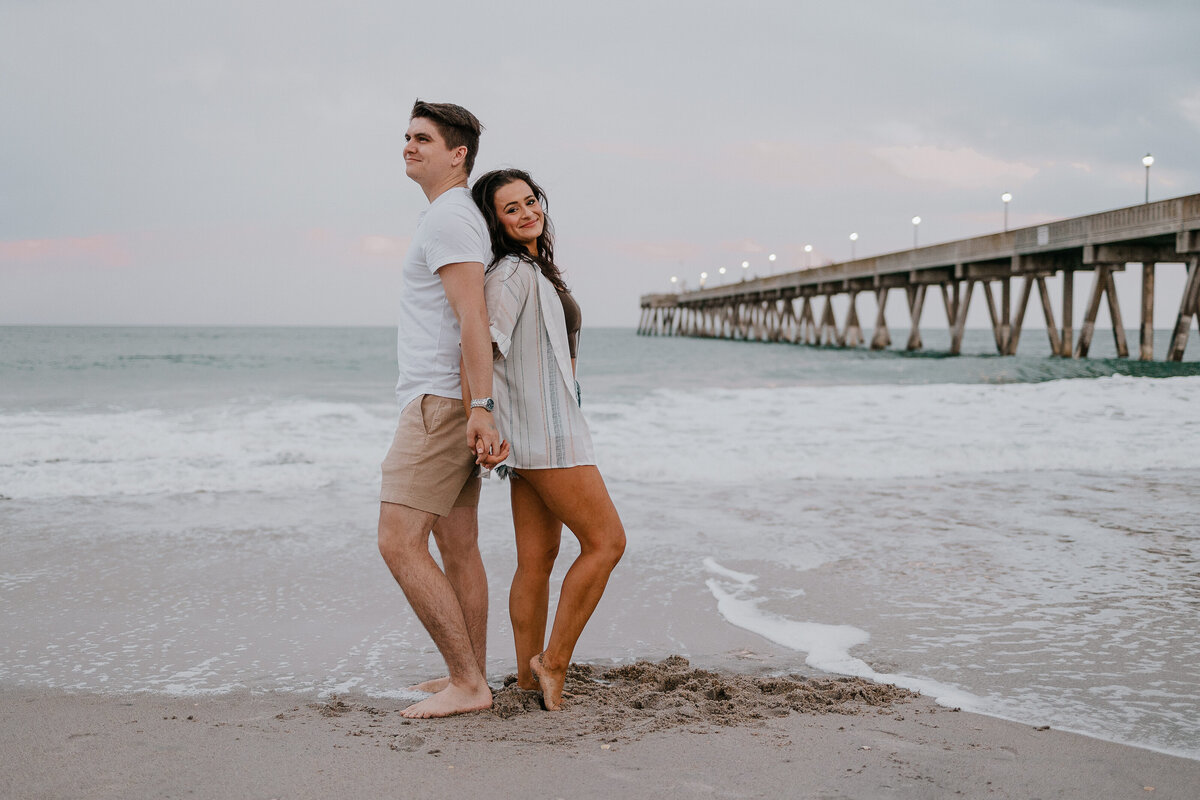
point(652, 730)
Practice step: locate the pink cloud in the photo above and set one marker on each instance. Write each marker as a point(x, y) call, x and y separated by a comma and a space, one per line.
point(667, 250)
point(799, 163)
point(741, 246)
point(391, 247)
point(190, 247)
point(959, 166)
point(627, 150)
point(104, 251)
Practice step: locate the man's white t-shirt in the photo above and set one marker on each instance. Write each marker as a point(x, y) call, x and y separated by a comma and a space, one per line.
point(450, 231)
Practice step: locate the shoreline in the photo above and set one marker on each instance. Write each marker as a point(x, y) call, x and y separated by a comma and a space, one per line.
point(642, 730)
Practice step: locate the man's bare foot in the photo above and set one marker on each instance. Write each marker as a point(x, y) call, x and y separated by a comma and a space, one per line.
point(550, 681)
point(449, 701)
point(431, 686)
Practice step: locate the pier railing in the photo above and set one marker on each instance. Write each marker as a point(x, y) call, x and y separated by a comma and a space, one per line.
point(782, 307)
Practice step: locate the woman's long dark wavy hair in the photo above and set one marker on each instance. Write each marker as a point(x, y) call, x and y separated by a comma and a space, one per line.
point(484, 192)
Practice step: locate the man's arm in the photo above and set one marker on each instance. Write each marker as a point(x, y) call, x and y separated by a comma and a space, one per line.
point(463, 283)
point(486, 461)
point(466, 386)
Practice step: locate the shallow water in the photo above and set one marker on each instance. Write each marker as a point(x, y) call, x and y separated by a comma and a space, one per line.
point(193, 510)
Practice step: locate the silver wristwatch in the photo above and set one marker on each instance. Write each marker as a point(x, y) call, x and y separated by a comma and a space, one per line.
point(486, 403)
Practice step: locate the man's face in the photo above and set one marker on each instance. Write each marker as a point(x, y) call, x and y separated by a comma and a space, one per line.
point(427, 159)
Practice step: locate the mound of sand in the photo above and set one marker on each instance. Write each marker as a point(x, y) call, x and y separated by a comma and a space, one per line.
point(627, 702)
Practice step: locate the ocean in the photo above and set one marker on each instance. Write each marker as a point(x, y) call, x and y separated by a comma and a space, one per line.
point(192, 511)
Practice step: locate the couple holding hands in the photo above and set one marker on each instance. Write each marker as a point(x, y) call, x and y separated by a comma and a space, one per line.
point(486, 345)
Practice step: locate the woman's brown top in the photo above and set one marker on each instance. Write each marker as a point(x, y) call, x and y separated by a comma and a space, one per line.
point(574, 320)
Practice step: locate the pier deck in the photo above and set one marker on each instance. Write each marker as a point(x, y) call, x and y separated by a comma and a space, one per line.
point(782, 307)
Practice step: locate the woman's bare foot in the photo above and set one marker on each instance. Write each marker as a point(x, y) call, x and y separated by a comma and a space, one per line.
point(550, 681)
point(449, 701)
point(433, 685)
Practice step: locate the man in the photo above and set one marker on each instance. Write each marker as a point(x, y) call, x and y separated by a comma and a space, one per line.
point(429, 474)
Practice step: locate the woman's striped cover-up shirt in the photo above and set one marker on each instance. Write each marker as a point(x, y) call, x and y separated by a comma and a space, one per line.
point(537, 408)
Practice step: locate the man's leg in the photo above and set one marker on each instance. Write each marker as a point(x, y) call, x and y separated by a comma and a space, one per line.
point(404, 545)
point(457, 537)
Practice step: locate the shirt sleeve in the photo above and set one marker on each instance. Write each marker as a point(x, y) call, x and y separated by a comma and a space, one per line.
point(456, 235)
point(505, 293)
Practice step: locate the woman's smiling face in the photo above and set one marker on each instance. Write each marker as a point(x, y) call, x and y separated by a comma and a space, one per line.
point(520, 212)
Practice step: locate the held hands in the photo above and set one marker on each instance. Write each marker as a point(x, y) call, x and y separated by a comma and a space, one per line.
point(484, 439)
point(483, 459)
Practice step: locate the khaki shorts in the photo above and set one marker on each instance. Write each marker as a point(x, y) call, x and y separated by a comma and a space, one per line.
point(429, 466)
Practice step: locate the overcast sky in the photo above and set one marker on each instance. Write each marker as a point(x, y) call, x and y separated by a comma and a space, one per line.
point(239, 162)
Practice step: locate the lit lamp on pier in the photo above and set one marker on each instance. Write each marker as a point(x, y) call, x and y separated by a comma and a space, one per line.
point(916, 224)
point(703, 279)
point(853, 239)
point(1147, 160)
point(1006, 198)
point(721, 271)
point(771, 263)
point(807, 255)
point(674, 283)
point(745, 269)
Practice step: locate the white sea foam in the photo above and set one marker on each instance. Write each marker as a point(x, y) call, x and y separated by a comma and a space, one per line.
point(741, 577)
point(887, 431)
point(712, 435)
point(707, 436)
point(282, 446)
point(827, 646)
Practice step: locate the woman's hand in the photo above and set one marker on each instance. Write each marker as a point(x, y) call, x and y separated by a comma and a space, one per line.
point(487, 459)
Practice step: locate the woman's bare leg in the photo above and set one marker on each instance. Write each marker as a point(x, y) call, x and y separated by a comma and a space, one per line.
point(578, 498)
point(538, 535)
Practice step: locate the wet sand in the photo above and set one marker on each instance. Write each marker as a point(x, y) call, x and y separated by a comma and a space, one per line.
point(650, 730)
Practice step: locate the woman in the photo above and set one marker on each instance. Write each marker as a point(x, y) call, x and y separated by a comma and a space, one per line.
point(554, 480)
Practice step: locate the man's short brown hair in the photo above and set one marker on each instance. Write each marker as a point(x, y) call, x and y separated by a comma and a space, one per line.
point(459, 127)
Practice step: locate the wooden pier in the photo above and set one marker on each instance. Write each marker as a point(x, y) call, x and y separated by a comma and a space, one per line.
point(797, 306)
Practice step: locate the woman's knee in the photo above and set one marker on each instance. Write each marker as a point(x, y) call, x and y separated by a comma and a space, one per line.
point(537, 565)
point(610, 545)
point(618, 545)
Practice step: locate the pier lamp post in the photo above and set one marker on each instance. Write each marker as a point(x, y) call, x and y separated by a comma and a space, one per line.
point(703, 279)
point(1147, 160)
point(916, 224)
point(807, 256)
point(853, 239)
point(674, 283)
point(745, 269)
point(771, 263)
point(1006, 198)
point(721, 272)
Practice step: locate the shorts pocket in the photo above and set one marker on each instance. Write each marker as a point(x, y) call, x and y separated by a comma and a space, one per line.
point(429, 413)
point(436, 413)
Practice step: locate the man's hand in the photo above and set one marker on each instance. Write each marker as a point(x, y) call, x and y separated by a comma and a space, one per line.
point(484, 438)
